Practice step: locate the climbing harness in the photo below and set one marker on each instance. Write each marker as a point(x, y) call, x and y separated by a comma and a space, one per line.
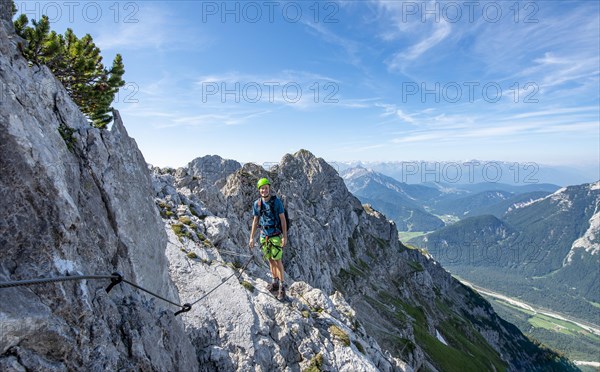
point(269, 249)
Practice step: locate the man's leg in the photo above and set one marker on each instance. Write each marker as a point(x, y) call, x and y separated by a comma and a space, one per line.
point(278, 269)
point(279, 265)
point(266, 247)
point(273, 267)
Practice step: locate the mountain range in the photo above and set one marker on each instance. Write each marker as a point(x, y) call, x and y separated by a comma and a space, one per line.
point(477, 171)
point(516, 240)
point(422, 207)
point(550, 244)
point(399, 201)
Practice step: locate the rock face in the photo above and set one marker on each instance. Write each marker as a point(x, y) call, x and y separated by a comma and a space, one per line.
point(84, 211)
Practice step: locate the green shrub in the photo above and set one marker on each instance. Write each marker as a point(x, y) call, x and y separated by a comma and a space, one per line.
point(67, 134)
point(76, 63)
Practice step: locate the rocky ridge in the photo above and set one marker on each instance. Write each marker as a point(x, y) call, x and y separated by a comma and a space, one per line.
point(240, 326)
point(339, 248)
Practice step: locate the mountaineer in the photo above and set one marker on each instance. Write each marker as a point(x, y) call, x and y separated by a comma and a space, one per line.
point(269, 214)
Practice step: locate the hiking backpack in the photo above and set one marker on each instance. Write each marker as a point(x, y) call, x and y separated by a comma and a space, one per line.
point(272, 206)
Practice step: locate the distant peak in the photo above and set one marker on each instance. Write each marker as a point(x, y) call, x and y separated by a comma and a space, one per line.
point(356, 172)
point(304, 154)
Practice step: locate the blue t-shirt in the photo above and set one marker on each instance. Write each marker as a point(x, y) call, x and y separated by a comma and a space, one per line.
point(269, 218)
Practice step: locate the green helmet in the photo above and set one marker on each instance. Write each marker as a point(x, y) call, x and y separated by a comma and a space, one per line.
point(262, 182)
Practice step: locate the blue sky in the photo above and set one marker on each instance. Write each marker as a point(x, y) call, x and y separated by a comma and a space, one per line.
point(352, 80)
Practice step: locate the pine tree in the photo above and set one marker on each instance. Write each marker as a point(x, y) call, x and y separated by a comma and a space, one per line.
point(77, 63)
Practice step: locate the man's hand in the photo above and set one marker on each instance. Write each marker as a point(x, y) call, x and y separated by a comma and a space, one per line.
point(251, 243)
point(283, 242)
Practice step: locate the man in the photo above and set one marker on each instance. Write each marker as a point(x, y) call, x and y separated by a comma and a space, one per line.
point(269, 214)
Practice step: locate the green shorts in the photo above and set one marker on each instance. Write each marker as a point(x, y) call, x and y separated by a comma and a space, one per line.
point(272, 247)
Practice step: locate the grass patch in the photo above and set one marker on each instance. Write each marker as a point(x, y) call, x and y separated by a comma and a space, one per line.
point(248, 286)
point(363, 265)
point(443, 305)
point(192, 255)
point(560, 326)
point(467, 350)
point(381, 243)
point(543, 322)
point(408, 235)
point(340, 335)
point(595, 304)
point(68, 135)
point(383, 307)
point(471, 351)
point(356, 271)
point(316, 364)
point(407, 345)
point(359, 347)
point(185, 220)
point(352, 246)
point(178, 229)
point(345, 276)
point(416, 266)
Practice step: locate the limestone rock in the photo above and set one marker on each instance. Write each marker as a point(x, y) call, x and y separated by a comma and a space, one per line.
point(79, 211)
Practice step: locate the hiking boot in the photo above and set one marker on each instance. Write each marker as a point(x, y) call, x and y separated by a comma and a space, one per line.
point(281, 294)
point(273, 287)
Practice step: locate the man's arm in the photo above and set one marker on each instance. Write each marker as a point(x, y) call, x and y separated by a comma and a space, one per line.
point(283, 228)
point(254, 225)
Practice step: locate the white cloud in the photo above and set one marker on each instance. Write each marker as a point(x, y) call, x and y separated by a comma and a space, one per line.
point(153, 27)
point(402, 22)
point(440, 31)
point(290, 88)
point(553, 112)
point(211, 120)
point(350, 47)
point(393, 111)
